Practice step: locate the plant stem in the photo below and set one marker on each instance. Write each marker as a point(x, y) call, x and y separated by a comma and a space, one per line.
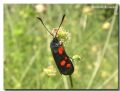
point(104, 49)
point(70, 80)
point(68, 83)
point(108, 80)
point(65, 82)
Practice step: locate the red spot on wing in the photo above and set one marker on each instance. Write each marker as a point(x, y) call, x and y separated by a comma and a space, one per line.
point(68, 65)
point(62, 63)
point(60, 50)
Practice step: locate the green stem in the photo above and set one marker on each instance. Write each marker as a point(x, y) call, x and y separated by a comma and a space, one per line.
point(65, 82)
point(71, 82)
point(108, 80)
point(99, 60)
point(68, 83)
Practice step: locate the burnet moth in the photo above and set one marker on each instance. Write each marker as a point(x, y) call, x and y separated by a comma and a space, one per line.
point(61, 58)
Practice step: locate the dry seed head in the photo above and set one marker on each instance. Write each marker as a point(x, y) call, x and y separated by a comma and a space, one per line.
point(40, 8)
point(50, 71)
point(106, 26)
point(62, 35)
point(87, 10)
point(104, 74)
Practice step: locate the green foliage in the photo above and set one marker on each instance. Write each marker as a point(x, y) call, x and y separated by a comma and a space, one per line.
point(27, 55)
point(76, 58)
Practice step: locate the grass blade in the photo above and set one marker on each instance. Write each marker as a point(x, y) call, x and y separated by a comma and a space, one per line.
point(104, 49)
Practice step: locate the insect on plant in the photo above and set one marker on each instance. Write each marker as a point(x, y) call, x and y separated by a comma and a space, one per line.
point(62, 60)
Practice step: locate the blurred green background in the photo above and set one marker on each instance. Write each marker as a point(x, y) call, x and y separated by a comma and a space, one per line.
point(28, 62)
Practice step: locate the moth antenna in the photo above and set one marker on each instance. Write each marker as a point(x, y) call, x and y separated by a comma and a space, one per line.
point(60, 24)
point(44, 25)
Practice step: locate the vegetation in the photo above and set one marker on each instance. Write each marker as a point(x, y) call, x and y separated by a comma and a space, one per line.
point(28, 62)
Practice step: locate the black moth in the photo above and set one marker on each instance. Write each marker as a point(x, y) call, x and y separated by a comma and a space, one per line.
point(62, 60)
